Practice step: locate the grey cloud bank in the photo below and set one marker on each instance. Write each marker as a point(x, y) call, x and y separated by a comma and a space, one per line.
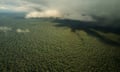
point(75, 9)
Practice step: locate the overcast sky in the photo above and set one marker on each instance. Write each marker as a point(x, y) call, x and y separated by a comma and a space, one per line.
point(109, 8)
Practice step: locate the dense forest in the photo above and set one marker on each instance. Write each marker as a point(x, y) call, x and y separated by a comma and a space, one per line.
point(58, 45)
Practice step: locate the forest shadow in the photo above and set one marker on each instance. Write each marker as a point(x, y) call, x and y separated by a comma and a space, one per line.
point(91, 28)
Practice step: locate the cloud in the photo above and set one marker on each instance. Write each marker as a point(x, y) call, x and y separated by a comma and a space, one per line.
point(5, 28)
point(46, 13)
point(74, 9)
point(82, 6)
point(3, 8)
point(18, 6)
point(22, 30)
point(68, 8)
point(16, 9)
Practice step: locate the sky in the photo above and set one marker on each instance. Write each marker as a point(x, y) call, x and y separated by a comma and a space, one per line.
point(63, 8)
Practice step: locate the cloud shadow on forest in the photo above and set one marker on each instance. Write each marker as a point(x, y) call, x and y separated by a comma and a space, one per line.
point(91, 28)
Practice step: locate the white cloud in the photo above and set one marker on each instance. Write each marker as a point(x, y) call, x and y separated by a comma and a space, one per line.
point(3, 7)
point(5, 29)
point(46, 13)
point(22, 30)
